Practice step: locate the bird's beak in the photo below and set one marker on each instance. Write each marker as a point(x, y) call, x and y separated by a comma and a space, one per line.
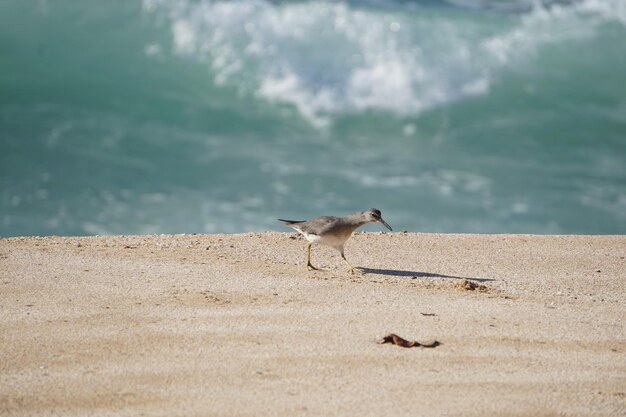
point(385, 223)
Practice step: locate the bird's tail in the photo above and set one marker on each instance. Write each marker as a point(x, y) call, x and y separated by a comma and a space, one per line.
point(290, 222)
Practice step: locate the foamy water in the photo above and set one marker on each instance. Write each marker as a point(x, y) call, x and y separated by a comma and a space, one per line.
point(167, 116)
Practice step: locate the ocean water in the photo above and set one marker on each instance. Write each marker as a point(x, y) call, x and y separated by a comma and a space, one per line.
point(182, 116)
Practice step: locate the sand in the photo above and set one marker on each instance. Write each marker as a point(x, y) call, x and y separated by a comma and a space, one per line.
point(234, 325)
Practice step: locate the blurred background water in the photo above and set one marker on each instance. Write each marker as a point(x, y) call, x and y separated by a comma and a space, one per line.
point(180, 116)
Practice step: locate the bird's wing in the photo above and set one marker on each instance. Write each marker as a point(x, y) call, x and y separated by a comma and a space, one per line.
point(319, 225)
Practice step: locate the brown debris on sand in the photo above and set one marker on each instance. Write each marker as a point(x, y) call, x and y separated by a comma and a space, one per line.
point(468, 285)
point(399, 341)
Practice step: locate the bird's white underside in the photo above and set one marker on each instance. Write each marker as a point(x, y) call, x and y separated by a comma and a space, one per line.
point(326, 240)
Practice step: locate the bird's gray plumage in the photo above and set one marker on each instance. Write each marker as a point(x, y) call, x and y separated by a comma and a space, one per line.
point(333, 231)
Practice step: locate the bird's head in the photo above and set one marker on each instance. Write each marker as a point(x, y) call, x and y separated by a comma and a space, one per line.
point(373, 216)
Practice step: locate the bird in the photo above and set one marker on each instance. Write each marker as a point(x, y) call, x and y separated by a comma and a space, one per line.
point(333, 231)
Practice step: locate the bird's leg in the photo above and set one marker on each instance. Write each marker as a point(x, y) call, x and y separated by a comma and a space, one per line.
point(309, 266)
point(350, 267)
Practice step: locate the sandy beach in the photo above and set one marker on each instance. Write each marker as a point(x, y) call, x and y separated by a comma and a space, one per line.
point(234, 325)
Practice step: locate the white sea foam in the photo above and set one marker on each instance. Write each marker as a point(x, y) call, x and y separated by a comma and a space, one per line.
point(327, 59)
point(550, 26)
point(443, 182)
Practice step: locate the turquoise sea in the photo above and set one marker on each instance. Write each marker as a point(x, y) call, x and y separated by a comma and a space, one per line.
point(183, 116)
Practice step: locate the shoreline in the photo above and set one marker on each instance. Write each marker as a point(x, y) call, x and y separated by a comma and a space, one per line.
point(234, 324)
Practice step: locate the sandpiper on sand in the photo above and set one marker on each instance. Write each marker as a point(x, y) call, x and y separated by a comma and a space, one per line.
point(333, 231)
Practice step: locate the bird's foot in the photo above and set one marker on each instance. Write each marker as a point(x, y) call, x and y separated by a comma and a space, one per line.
point(353, 271)
point(311, 267)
